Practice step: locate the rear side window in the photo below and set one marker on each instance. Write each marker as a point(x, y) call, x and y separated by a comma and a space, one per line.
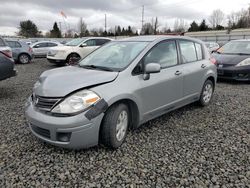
point(100, 42)
point(11, 44)
point(2, 43)
point(199, 51)
point(50, 44)
point(188, 52)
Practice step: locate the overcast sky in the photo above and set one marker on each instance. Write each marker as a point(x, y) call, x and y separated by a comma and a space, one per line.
point(119, 12)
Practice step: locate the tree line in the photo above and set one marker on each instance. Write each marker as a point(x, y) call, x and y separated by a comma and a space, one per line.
point(216, 21)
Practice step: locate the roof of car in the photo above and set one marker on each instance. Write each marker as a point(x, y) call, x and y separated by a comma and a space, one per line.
point(151, 38)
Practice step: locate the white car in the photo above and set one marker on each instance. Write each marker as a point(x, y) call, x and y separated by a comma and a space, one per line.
point(75, 50)
point(212, 46)
point(40, 49)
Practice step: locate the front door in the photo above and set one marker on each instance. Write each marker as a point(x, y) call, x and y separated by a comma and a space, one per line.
point(162, 90)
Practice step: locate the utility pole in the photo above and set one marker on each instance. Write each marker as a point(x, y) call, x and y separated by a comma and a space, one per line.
point(105, 23)
point(142, 17)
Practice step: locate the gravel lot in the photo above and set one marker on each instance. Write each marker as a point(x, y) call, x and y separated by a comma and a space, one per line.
point(190, 147)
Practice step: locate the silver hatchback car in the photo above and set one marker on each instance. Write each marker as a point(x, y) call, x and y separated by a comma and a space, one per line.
point(119, 86)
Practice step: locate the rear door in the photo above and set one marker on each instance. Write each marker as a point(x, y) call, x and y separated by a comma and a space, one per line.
point(160, 93)
point(194, 67)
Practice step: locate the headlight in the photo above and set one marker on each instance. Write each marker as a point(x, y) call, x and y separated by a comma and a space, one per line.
point(76, 102)
point(244, 63)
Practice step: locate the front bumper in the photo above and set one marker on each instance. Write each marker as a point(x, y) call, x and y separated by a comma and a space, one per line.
point(56, 61)
point(234, 73)
point(73, 132)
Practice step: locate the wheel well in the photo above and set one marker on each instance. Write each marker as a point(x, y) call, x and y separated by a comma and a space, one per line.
point(133, 110)
point(212, 80)
point(73, 54)
point(25, 54)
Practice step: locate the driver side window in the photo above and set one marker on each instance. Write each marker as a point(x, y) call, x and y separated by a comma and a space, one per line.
point(164, 53)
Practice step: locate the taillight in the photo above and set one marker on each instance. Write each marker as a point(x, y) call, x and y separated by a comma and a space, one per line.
point(30, 50)
point(8, 53)
point(213, 60)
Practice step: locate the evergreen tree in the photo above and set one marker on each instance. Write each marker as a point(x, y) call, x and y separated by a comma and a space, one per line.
point(193, 27)
point(28, 29)
point(55, 32)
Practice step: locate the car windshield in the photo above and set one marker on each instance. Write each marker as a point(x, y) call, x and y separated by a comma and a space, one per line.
point(236, 47)
point(114, 55)
point(75, 42)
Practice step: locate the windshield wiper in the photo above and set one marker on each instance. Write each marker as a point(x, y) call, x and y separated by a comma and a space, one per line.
point(96, 67)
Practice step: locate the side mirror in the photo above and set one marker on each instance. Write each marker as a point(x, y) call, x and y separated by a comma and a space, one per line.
point(83, 45)
point(151, 68)
point(37, 46)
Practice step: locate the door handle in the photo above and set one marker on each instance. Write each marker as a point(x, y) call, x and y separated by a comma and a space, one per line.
point(203, 66)
point(178, 73)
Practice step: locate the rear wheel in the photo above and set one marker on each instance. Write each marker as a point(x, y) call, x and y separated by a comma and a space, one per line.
point(115, 126)
point(207, 93)
point(72, 59)
point(23, 58)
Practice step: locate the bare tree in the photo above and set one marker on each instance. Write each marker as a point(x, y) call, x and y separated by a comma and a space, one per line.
point(147, 29)
point(155, 24)
point(82, 27)
point(180, 25)
point(216, 18)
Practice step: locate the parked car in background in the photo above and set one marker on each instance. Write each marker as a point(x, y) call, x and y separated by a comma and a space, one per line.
point(4, 48)
point(119, 86)
point(40, 49)
point(7, 66)
point(21, 52)
point(212, 46)
point(75, 50)
point(233, 60)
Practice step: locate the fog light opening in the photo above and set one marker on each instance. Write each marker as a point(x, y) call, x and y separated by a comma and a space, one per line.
point(63, 137)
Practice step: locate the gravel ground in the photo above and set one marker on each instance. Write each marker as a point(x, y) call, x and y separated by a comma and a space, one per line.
point(190, 147)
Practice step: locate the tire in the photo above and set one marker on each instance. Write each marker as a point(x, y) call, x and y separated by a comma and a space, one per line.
point(112, 133)
point(23, 58)
point(207, 93)
point(72, 59)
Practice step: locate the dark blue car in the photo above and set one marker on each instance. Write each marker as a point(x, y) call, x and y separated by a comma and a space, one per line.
point(233, 60)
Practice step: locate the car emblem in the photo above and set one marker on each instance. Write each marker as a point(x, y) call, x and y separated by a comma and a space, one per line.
point(220, 65)
point(36, 101)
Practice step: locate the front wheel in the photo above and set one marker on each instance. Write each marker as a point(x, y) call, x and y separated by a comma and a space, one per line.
point(207, 93)
point(115, 126)
point(72, 59)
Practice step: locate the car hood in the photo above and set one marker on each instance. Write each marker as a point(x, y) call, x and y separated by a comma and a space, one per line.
point(229, 59)
point(62, 81)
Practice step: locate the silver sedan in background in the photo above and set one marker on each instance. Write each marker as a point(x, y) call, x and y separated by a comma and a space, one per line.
point(40, 49)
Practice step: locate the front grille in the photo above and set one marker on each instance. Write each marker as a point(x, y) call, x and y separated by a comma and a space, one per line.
point(44, 103)
point(40, 131)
